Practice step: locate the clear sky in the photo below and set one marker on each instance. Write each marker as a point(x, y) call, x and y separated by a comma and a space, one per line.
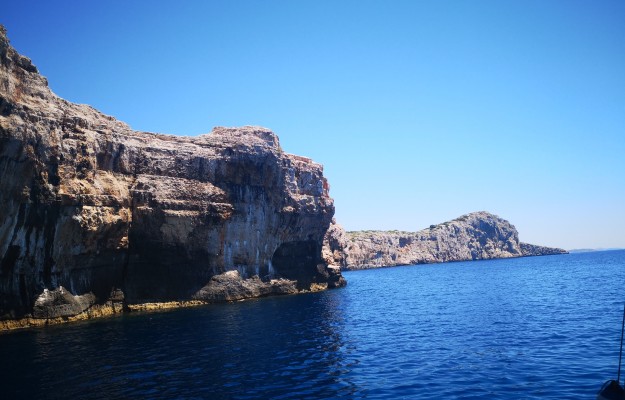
point(420, 111)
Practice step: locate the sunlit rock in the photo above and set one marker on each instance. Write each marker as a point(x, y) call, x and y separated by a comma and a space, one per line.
point(475, 236)
point(92, 206)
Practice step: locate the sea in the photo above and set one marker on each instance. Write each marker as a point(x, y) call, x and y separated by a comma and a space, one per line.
point(526, 328)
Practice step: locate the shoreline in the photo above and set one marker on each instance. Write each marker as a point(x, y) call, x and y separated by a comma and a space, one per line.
point(95, 312)
point(114, 309)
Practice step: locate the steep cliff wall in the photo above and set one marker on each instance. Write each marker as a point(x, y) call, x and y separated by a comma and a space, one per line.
point(92, 211)
point(475, 236)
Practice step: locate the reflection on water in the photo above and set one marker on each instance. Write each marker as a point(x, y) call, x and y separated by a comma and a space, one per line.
point(244, 350)
point(543, 328)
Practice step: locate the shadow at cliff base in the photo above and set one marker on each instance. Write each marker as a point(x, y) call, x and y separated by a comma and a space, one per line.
point(160, 273)
point(298, 261)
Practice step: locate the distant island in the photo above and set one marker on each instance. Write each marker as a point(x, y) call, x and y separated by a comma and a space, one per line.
point(593, 250)
point(475, 236)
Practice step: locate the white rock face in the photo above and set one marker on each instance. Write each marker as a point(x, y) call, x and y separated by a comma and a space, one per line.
point(475, 236)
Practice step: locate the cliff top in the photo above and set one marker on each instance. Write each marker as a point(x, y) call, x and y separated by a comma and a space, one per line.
point(22, 86)
point(469, 218)
point(480, 225)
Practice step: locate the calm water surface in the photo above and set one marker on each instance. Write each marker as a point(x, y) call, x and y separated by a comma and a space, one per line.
point(530, 328)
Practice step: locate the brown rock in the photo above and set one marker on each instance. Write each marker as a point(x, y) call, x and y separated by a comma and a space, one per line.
point(88, 204)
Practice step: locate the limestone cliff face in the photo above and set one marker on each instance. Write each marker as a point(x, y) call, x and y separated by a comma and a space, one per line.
point(475, 236)
point(89, 207)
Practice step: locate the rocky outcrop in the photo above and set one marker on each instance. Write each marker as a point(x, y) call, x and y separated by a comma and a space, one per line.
point(89, 207)
point(334, 245)
point(475, 236)
point(230, 286)
point(60, 303)
point(534, 250)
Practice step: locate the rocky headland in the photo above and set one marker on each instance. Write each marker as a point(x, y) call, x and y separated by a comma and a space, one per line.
point(96, 218)
point(474, 236)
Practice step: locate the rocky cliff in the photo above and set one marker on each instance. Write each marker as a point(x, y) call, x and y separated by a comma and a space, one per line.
point(475, 236)
point(92, 212)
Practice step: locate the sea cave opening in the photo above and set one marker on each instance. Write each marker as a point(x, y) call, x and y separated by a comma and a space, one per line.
point(297, 261)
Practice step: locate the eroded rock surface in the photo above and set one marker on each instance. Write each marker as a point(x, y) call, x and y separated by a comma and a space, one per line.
point(60, 303)
point(89, 205)
point(230, 286)
point(475, 236)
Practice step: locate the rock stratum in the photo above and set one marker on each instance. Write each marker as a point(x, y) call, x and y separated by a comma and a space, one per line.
point(474, 236)
point(95, 216)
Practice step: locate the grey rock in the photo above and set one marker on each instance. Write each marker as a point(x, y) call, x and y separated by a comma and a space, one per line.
point(61, 303)
point(534, 250)
point(230, 286)
point(474, 236)
point(334, 245)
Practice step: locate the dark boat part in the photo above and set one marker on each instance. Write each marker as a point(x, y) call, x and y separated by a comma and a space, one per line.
point(612, 390)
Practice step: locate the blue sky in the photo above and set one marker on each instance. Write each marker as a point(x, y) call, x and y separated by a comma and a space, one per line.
point(420, 111)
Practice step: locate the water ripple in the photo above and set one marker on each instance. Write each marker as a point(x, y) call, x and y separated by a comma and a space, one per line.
point(532, 328)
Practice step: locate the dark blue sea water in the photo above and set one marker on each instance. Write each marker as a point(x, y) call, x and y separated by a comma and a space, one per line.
point(529, 328)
